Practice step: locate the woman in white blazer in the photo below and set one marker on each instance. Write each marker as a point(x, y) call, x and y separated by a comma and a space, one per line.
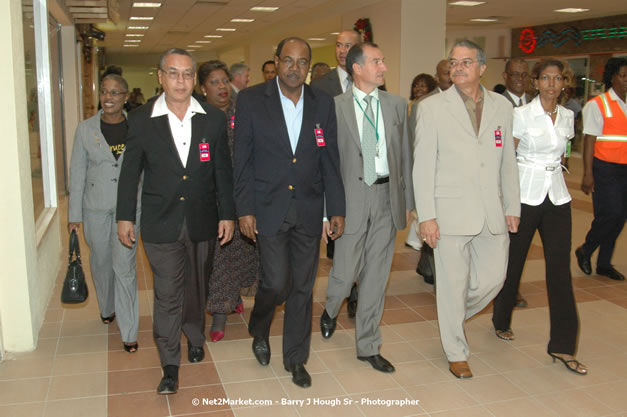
point(94, 170)
point(542, 129)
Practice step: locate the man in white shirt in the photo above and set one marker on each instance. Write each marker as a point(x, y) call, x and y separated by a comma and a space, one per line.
point(516, 77)
point(376, 163)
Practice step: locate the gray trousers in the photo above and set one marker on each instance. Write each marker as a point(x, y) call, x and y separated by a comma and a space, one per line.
point(471, 272)
point(114, 271)
point(365, 256)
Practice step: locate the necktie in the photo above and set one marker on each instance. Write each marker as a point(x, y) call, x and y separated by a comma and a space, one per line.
point(369, 143)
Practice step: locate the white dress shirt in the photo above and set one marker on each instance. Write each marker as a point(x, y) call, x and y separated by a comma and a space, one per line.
point(381, 161)
point(592, 117)
point(539, 152)
point(293, 115)
point(343, 75)
point(181, 129)
point(520, 101)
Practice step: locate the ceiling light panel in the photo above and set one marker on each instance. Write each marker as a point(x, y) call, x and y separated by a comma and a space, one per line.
point(134, 35)
point(194, 46)
point(484, 19)
point(242, 20)
point(138, 4)
point(203, 41)
point(226, 29)
point(213, 36)
point(139, 27)
point(264, 9)
point(132, 40)
point(466, 3)
point(130, 45)
point(572, 10)
point(141, 18)
point(316, 39)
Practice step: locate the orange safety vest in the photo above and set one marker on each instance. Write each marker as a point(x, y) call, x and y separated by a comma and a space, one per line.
point(611, 146)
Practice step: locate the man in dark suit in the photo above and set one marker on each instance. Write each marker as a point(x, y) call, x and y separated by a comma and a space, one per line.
point(187, 200)
point(335, 83)
point(286, 167)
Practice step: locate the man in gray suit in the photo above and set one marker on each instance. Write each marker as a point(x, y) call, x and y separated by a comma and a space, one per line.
point(516, 77)
point(375, 156)
point(467, 195)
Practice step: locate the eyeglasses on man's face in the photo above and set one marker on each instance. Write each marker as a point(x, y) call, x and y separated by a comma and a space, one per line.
point(518, 75)
point(464, 63)
point(289, 62)
point(174, 75)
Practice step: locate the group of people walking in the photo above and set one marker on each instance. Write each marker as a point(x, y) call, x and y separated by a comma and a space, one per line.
point(233, 194)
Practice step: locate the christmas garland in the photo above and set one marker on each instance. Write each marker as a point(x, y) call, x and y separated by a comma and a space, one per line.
point(364, 27)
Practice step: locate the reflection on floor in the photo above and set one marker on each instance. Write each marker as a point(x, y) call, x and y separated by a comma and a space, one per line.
point(80, 369)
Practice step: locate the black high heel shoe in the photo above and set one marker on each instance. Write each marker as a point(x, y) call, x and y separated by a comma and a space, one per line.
point(572, 365)
point(108, 320)
point(131, 348)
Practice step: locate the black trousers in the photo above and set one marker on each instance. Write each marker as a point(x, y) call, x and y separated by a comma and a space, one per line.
point(609, 200)
point(181, 275)
point(555, 226)
point(289, 262)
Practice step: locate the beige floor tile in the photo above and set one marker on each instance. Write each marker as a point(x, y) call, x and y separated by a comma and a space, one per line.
point(522, 407)
point(537, 381)
point(530, 335)
point(143, 358)
point(234, 349)
point(612, 395)
point(482, 342)
point(54, 315)
point(365, 380)
point(328, 407)
point(490, 388)
point(341, 359)
point(50, 329)
point(478, 411)
point(183, 401)
point(25, 368)
point(340, 339)
point(133, 381)
point(45, 348)
point(243, 370)
point(322, 386)
point(573, 403)
point(400, 352)
point(89, 309)
point(314, 365)
point(145, 404)
point(429, 348)
point(23, 390)
point(77, 386)
point(508, 360)
point(267, 389)
point(83, 327)
point(389, 403)
point(274, 411)
point(94, 407)
point(82, 344)
point(477, 366)
point(418, 330)
point(23, 410)
point(600, 370)
point(418, 373)
point(441, 396)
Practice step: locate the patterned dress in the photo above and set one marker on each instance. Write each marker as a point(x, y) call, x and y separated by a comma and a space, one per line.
point(236, 265)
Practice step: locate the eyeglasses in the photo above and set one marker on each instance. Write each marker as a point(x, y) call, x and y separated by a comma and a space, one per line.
point(518, 75)
point(174, 75)
point(216, 82)
point(464, 63)
point(289, 61)
point(114, 93)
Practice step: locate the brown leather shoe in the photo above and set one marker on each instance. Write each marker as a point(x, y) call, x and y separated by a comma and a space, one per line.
point(460, 369)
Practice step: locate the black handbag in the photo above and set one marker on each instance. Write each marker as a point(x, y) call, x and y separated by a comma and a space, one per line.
point(74, 287)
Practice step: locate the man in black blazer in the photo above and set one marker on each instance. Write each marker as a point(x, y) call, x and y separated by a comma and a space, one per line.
point(287, 168)
point(187, 201)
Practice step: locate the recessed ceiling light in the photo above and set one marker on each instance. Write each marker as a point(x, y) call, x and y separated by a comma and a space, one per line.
point(142, 18)
point(264, 9)
point(130, 45)
point(571, 10)
point(194, 46)
point(484, 19)
point(136, 4)
point(134, 34)
point(334, 33)
point(190, 50)
point(213, 36)
point(151, 73)
point(316, 39)
point(139, 27)
point(226, 29)
point(132, 40)
point(466, 3)
point(203, 41)
point(242, 20)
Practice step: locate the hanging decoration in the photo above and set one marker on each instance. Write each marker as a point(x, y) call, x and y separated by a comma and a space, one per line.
point(364, 27)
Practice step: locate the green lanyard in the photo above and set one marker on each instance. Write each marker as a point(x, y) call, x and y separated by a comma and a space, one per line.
point(375, 125)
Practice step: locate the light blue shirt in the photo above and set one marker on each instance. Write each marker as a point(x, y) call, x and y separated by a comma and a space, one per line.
point(293, 115)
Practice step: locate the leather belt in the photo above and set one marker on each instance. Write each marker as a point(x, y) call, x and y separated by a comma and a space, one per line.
point(381, 180)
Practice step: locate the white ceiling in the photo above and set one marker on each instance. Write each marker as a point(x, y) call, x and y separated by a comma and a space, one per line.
point(183, 22)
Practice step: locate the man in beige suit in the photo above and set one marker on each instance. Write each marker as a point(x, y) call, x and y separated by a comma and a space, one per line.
point(376, 162)
point(467, 195)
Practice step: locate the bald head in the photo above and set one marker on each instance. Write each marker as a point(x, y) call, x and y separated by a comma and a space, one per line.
point(442, 75)
point(345, 40)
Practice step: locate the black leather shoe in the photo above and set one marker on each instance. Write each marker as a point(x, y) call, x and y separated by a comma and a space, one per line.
point(261, 349)
point(300, 376)
point(195, 353)
point(168, 385)
point(611, 273)
point(583, 261)
point(327, 325)
point(351, 307)
point(378, 362)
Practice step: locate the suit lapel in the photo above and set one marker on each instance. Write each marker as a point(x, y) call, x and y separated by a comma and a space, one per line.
point(162, 126)
point(345, 103)
point(488, 113)
point(388, 118)
point(457, 107)
point(100, 140)
point(276, 116)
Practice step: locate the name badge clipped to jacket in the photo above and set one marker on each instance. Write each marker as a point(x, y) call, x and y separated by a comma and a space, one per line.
point(203, 149)
point(319, 136)
point(498, 138)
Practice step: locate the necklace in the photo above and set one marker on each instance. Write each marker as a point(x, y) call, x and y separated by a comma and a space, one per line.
point(551, 113)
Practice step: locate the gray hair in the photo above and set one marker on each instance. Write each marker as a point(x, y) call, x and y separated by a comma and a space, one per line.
point(239, 68)
point(117, 78)
point(470, 45)
point(175, 51)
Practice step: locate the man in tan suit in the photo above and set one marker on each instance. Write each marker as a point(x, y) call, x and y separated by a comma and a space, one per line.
point(467, 195)
point(376, 163)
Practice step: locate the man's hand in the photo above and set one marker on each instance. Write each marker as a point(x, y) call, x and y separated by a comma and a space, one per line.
point(248, 227)
point(430, 232)
point(587, 184)
point(336, 227)
point(326, 230)
point(73, 226)
point(225, 231)
point(126, 233)
point(512, 223)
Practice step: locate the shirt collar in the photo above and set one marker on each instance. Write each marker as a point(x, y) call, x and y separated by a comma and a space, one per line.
point(536, 107)
point(359, 95)
point(161, 108)
point(516, 98)
point(614, 96)
point(342, 74)
point(466, 98)
point(283, 97)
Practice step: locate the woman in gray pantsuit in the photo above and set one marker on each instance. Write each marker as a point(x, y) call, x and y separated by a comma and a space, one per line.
point(94, 170)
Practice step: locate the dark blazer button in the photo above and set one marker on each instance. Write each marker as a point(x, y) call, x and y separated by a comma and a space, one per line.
point(115, 165)
point(114, 180)
point(360, 179)
point(360, 154)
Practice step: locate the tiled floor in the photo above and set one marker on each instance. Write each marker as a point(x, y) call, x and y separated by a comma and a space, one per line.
point(79, 368)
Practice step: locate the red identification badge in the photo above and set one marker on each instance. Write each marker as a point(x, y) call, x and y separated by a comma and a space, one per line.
point(319, 136)
point(498, 139)
point(203, 148)
point(233, 122)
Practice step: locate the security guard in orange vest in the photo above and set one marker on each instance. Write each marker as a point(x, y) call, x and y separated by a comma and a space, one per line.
point(605, 169)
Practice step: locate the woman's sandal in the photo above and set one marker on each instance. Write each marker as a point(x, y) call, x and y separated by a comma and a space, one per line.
point(108, 320)
point(505, 334)
point(572, 365)
point(130, 347)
